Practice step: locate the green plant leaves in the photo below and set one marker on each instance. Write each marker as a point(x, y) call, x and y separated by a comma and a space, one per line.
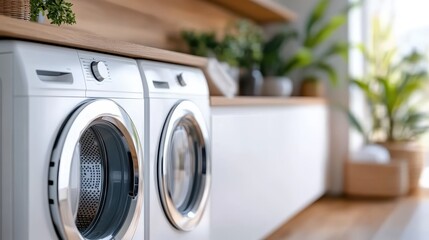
point(58, 11)
point(356, 124)
point(201, 44)
point(337, 48)
point(325, 32)
point(303, 57)
point(391, 86)
point(330, 72)
point(411, 124)
point(366, 89)
point(240, 46)
point(271, 60)
point(316, 15)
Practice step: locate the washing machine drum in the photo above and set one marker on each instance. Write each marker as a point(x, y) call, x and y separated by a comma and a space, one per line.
point(184, 166)
point(95, 174)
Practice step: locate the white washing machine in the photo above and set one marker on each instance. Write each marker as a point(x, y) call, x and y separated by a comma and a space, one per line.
point(71, 157)
point(178, 152)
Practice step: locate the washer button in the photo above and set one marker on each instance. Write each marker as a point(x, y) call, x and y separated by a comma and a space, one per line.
point(181, 80)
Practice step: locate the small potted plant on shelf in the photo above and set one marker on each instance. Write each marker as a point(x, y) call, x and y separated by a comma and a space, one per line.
point(276, 83)
point(394, 91)
point(240, 48)
point(58, 11)
point(248, 41)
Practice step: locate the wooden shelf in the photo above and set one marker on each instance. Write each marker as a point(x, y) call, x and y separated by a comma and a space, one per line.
point(265, 101)
point(261, 11)
point(19, 29)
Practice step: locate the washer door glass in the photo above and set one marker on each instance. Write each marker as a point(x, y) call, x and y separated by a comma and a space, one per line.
point(184, 166)
point(94, 179)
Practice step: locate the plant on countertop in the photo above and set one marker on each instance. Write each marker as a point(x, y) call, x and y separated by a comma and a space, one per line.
point(58, 11)
point(248, 40)
point(241, 45)
point(393, 88)
point(308, 59)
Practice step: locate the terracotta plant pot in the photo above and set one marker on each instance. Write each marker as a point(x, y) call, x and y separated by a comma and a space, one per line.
point(414, 155)
point(312, 88)
point(277, 86)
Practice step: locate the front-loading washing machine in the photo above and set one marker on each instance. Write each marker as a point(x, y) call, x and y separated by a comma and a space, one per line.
point(178, 114)
point(71, 135)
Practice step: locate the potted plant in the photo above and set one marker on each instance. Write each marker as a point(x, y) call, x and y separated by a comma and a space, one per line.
point(58, 11)
point(240, 47)
point(394, 91)
point(312, 55)
point(276, 83)
point(248, 41)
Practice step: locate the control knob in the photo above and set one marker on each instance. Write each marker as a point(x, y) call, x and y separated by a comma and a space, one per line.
point(100, 71)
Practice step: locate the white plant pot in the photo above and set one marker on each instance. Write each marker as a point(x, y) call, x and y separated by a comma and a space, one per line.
point(41, 18)
point(277, 86)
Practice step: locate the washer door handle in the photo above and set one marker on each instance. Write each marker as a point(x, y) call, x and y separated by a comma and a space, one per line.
point(134, 191)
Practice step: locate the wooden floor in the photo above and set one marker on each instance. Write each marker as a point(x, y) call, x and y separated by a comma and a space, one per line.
point(345, 218)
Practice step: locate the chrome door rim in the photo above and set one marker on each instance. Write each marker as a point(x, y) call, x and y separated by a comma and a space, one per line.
point(61, 163)
point(184, 222)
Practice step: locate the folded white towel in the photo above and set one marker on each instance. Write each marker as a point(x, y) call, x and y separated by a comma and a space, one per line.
point(220, 82)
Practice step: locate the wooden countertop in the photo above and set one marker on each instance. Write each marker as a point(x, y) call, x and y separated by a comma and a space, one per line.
point(262, 11)
point(19, 29)
point(265, 101)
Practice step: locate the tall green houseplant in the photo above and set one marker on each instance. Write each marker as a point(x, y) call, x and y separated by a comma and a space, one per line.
point(394, 89)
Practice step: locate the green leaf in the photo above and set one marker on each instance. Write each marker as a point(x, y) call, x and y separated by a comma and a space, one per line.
point(412, 118)
point(275, 44)
point(303, 57)
point(337, 48)
point(356, 124)
point(388, 91)
point(330, 71)
point(366, 89)
point(407, 87)
point(316, 15)
point(326, 31)
point(271, 60)
point(416, 132)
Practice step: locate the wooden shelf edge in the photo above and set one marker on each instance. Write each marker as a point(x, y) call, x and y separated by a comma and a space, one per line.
point(11, 28)
point(261, 11)
point(265, 101)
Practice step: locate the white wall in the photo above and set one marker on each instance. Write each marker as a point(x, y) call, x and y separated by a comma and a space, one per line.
point(339, 127)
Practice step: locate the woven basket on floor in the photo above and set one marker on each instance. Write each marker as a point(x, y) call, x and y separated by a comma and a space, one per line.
point(414, 154)
point(376, 180)
point(19, 9)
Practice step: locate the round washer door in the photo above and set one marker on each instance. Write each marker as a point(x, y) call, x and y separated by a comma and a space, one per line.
point(95, 181)
point(184, 166)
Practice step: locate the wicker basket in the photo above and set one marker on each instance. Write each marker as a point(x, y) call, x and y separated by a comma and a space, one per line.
point(376, 180)
point(19, 9)
point(414, 155)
